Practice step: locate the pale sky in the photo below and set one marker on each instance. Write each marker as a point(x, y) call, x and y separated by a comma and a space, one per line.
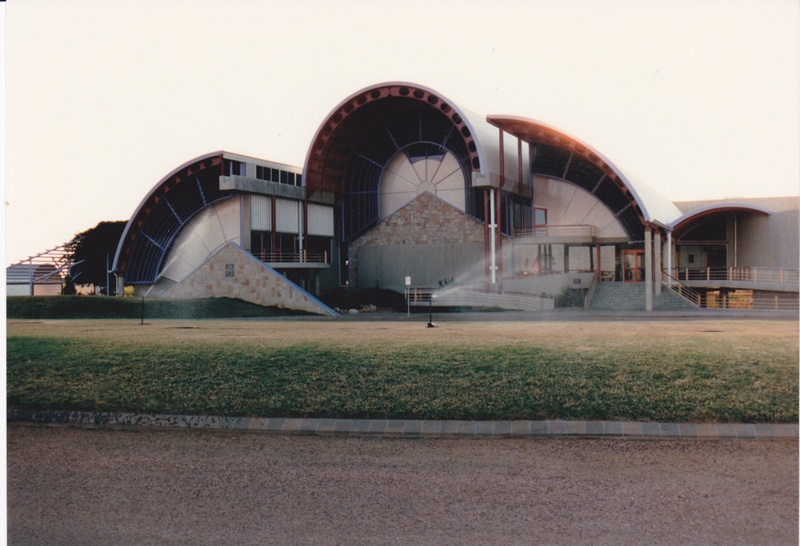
point(698, 98)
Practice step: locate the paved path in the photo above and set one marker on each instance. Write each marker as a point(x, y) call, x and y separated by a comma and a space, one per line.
point(422, 429)
point(141, 485)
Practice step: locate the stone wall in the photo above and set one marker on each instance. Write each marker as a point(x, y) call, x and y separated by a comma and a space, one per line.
point(234, 273)
point(425, 220)
point(428, 239)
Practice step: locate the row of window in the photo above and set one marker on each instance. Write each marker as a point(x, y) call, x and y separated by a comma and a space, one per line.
point(262, 242)
point(277, 175)
point(232, 168)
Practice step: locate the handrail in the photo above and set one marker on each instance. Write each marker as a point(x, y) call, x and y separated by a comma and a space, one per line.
point(292, 257)
point(419, 295)
point(748, 274)
point(587, 300)
point(567, 230)
point(682, 290)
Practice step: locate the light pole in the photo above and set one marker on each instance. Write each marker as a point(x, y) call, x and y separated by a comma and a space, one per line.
point(430, 312)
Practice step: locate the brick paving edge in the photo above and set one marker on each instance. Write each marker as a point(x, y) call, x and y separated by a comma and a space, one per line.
point(388, 428)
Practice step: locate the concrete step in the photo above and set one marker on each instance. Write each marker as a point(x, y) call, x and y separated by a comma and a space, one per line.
point(620, 296)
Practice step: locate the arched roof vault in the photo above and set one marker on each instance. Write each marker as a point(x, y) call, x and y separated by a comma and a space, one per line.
point(336, 139)
point(163, 212)
point(693, 216)
point(557, 155)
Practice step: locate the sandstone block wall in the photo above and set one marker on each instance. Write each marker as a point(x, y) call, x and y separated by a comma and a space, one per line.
point(234, 273)
point(428, 239)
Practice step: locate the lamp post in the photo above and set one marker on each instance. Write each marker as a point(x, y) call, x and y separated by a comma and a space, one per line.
point(408, 288)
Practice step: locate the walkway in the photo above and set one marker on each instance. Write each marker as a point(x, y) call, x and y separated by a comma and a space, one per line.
point(388, 428)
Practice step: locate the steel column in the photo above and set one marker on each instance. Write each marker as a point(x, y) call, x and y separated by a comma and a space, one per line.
point(648, 269)
point(498, 215)
point(492, 242)
point(486, 244)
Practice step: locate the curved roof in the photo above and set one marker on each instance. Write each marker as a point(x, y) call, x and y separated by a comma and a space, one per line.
point(332, 145)
point(559, 155)
point(158, 219)
point(716, 208)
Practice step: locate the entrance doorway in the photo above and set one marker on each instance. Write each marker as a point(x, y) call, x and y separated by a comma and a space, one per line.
point(633, 269)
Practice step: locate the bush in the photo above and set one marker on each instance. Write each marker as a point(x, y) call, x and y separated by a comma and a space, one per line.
point(357, 298)
point(571, 297)
point(83, 307)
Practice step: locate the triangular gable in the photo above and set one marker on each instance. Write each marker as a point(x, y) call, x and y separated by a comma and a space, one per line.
point(232, 272)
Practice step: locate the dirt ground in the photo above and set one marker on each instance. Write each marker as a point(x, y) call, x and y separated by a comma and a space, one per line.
point(79, 485)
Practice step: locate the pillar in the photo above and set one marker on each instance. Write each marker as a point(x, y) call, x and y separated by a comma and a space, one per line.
point(657, 267)
point(492, 239)
point(648, 270)
point(669, 257)
point(599, 269)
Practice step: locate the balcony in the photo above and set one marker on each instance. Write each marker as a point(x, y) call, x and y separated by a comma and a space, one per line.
point(763, 278)
point(294, 260)
point(557, 234)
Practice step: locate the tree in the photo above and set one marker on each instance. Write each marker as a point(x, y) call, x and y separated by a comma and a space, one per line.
point(94, 254)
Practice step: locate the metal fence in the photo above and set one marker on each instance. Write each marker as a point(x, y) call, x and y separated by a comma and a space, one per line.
point(293, 257)
point(579, 231)
point(750, 274)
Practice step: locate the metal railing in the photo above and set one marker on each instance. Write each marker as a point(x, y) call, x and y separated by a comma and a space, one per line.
point(749, 274)
point(682, 290)
point(747, 299)
point(419, 295)
point(736, 299)
point(576, 231)
point(292, 257)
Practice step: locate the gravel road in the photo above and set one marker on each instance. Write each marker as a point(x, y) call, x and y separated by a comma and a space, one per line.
point(80, 485)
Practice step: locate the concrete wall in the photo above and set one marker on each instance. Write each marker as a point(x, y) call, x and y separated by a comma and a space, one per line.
point(39, 289)
point(232, 272)
point(428, 239)
point(762, 240)
point(769, 241)
point(548, 285)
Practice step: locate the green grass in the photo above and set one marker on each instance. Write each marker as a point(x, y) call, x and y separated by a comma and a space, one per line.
point(81, 307)
point(689, 382)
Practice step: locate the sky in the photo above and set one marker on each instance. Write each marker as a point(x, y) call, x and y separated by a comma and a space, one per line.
point(697, 98)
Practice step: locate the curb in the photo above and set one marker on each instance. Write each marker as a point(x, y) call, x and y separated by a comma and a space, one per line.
point(390, 428)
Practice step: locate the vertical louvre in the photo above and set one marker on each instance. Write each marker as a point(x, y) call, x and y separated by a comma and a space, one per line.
point(320, 220)
point(261, 213)
point(287, 216)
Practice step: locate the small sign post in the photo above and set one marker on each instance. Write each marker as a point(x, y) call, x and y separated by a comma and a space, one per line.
point(408, 287)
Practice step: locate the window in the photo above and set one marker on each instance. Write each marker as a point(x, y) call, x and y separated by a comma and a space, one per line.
point(539, 221)
point(234, 167)
point(230, 270)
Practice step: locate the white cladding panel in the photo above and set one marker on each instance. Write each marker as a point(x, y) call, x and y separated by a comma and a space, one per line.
point(320, 220)
point(261, 213)
point(287, 216)
point(212, 228)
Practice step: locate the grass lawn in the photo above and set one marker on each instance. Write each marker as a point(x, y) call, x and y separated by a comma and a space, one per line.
point(681, 371)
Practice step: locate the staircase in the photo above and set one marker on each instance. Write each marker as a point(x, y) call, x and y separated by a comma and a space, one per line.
point(629, 296)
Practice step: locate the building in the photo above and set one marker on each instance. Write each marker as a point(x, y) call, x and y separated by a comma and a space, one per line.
point(494, 210)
